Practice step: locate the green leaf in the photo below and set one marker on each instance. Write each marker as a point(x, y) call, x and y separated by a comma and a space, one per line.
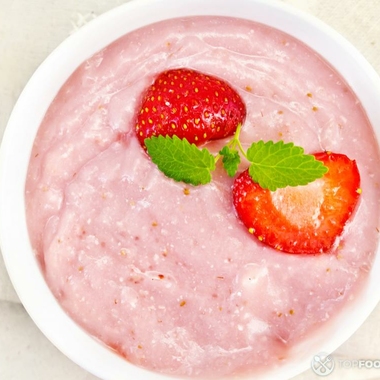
point(231, 160)
point(180, 160)
point(277, 165)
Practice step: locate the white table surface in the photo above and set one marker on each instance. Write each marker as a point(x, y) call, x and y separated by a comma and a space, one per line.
point(29, 31)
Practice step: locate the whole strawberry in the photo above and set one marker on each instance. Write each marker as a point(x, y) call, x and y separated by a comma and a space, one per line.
point(191, 105)
point(302, 219)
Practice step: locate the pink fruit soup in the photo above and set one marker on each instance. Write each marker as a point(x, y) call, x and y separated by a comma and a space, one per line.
point(163, 272)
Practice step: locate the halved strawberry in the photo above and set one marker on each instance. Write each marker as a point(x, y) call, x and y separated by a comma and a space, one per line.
point(302, 219)
point(190, 105)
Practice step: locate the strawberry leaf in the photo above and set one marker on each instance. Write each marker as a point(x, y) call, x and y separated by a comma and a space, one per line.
point(180, 160)
point(277, 165)
point(231, 160)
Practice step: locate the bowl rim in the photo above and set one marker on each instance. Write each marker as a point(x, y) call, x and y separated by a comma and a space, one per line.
point(33, 103)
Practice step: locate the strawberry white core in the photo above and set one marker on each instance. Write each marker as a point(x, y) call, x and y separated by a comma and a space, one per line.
point(301, 204)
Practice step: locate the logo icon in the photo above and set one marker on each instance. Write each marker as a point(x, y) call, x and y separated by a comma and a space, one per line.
point(322, 364)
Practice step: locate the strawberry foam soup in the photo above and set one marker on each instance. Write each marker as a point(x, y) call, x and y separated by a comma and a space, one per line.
point(165, 273)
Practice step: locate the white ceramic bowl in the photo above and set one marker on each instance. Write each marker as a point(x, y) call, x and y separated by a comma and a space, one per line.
point(28, 114)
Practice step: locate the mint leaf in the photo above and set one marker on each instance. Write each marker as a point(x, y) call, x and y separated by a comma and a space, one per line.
point(180, 160)
point(277, 165)
point(231, 160)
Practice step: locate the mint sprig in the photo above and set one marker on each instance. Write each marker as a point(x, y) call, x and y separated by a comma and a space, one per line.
point(272, 165)
point(277, 165)
point(180, 160)
point(230, 160)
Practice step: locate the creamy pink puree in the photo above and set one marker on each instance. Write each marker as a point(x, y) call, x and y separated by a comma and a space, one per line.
point(163, 272)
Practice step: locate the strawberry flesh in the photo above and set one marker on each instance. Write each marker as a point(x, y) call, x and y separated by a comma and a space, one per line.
point(303, 219)
point(190, 105)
